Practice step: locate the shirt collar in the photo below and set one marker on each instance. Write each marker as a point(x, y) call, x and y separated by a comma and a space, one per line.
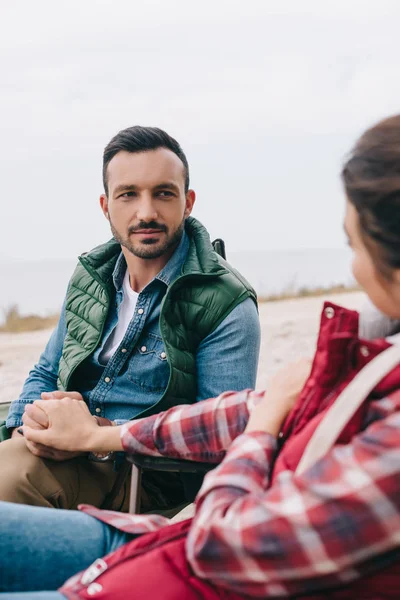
point(167, 275)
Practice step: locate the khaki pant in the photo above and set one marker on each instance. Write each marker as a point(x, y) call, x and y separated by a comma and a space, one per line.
point(27, 479)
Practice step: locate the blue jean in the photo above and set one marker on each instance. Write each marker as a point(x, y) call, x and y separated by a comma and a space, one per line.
point(42, 547)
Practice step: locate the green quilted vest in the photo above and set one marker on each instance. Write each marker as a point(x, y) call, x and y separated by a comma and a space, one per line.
point(206, 291)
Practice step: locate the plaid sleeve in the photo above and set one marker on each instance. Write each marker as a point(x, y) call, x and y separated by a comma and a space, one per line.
point(134, 524)
point(202, 432)
point(198, 432)
point(305, 533)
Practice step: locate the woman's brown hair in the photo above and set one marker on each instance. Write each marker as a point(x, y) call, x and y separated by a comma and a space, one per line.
point(371, 177)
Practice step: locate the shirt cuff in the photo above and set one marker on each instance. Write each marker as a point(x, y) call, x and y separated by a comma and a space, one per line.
point(13, 423)
point(247, 465)
point(137, 437)
point(14, 417)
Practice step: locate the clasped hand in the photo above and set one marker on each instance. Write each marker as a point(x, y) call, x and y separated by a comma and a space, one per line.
point(59, 426)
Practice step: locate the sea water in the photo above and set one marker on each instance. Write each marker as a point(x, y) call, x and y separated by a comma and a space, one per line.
point(38, 287)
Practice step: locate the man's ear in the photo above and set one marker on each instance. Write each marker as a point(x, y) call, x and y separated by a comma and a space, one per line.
point(104, 206)
point(190, 200)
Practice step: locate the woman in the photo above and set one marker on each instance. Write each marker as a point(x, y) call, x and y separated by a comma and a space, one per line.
point(260, 529)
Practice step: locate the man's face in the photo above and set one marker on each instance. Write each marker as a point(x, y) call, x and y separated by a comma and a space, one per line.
point(146, 202)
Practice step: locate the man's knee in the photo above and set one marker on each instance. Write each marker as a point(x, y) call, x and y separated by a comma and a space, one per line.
point(23, 475)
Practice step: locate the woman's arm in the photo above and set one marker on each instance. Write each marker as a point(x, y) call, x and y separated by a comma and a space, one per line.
point(198, 432)
point(202, 431)
point(306, 533)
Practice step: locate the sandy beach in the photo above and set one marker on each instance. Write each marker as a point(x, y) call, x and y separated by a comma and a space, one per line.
point(289, 329)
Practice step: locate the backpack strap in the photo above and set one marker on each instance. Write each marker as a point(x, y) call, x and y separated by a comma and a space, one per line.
point(346, 405)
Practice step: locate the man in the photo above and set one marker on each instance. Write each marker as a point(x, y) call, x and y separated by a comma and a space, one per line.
point(151, 319)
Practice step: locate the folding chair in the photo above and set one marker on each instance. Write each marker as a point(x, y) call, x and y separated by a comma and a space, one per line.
point(170, 465)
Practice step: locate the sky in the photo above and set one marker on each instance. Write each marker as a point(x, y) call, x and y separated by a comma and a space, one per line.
point(266, 97)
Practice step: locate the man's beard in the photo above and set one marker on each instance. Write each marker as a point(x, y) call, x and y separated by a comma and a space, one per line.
point(149, 248)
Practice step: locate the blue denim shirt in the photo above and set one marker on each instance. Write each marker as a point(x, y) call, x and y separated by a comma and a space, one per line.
point(137, 374)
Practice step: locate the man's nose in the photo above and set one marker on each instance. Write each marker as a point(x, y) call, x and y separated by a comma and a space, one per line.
point(146, 209)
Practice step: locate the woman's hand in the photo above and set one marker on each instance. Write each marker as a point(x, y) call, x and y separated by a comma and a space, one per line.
point(70, 427)
point(282, 392)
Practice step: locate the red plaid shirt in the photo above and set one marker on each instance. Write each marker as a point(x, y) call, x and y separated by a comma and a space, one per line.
point(317, 530)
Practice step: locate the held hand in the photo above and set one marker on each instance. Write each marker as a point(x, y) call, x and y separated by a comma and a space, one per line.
point(50, 453)
point(71, 428)
point(40, 423)
point(281, 394)
point(68, 424)
point(37, 419)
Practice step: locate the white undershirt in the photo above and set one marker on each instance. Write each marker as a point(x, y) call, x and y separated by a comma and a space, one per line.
point(125, 314)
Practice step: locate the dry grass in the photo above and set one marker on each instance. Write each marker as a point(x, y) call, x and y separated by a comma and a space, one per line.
point(14, 322)
point(305, 292)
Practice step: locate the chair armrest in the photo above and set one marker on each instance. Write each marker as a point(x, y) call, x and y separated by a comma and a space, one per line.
point(169, 464)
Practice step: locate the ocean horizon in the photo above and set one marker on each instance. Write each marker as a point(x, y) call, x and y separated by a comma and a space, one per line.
point(38, 287)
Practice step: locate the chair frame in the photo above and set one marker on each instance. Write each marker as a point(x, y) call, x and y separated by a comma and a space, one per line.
point(140, 462)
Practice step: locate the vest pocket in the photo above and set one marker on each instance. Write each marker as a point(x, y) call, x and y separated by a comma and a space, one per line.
point(148, 367)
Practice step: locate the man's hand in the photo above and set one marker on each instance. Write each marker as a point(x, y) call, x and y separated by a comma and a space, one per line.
point(58, 395)
point(37, 419)
point(282, 392)
point(70, 428)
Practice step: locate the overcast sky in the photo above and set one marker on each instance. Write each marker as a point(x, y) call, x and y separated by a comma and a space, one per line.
point(265, 97)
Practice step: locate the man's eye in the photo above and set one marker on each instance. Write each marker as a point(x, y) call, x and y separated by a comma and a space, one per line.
point(127, 195)
point(165, 193)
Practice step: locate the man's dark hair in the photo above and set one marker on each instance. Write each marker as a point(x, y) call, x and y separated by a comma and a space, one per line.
point(142, 139)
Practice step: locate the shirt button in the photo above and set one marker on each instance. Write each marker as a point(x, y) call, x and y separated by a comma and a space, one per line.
point(98, 410)
point(143, 348)
point(124, 350)
point(329, 312)
point(364, 350)
point(163, 355)
point(107, 379)
point(140, 311)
